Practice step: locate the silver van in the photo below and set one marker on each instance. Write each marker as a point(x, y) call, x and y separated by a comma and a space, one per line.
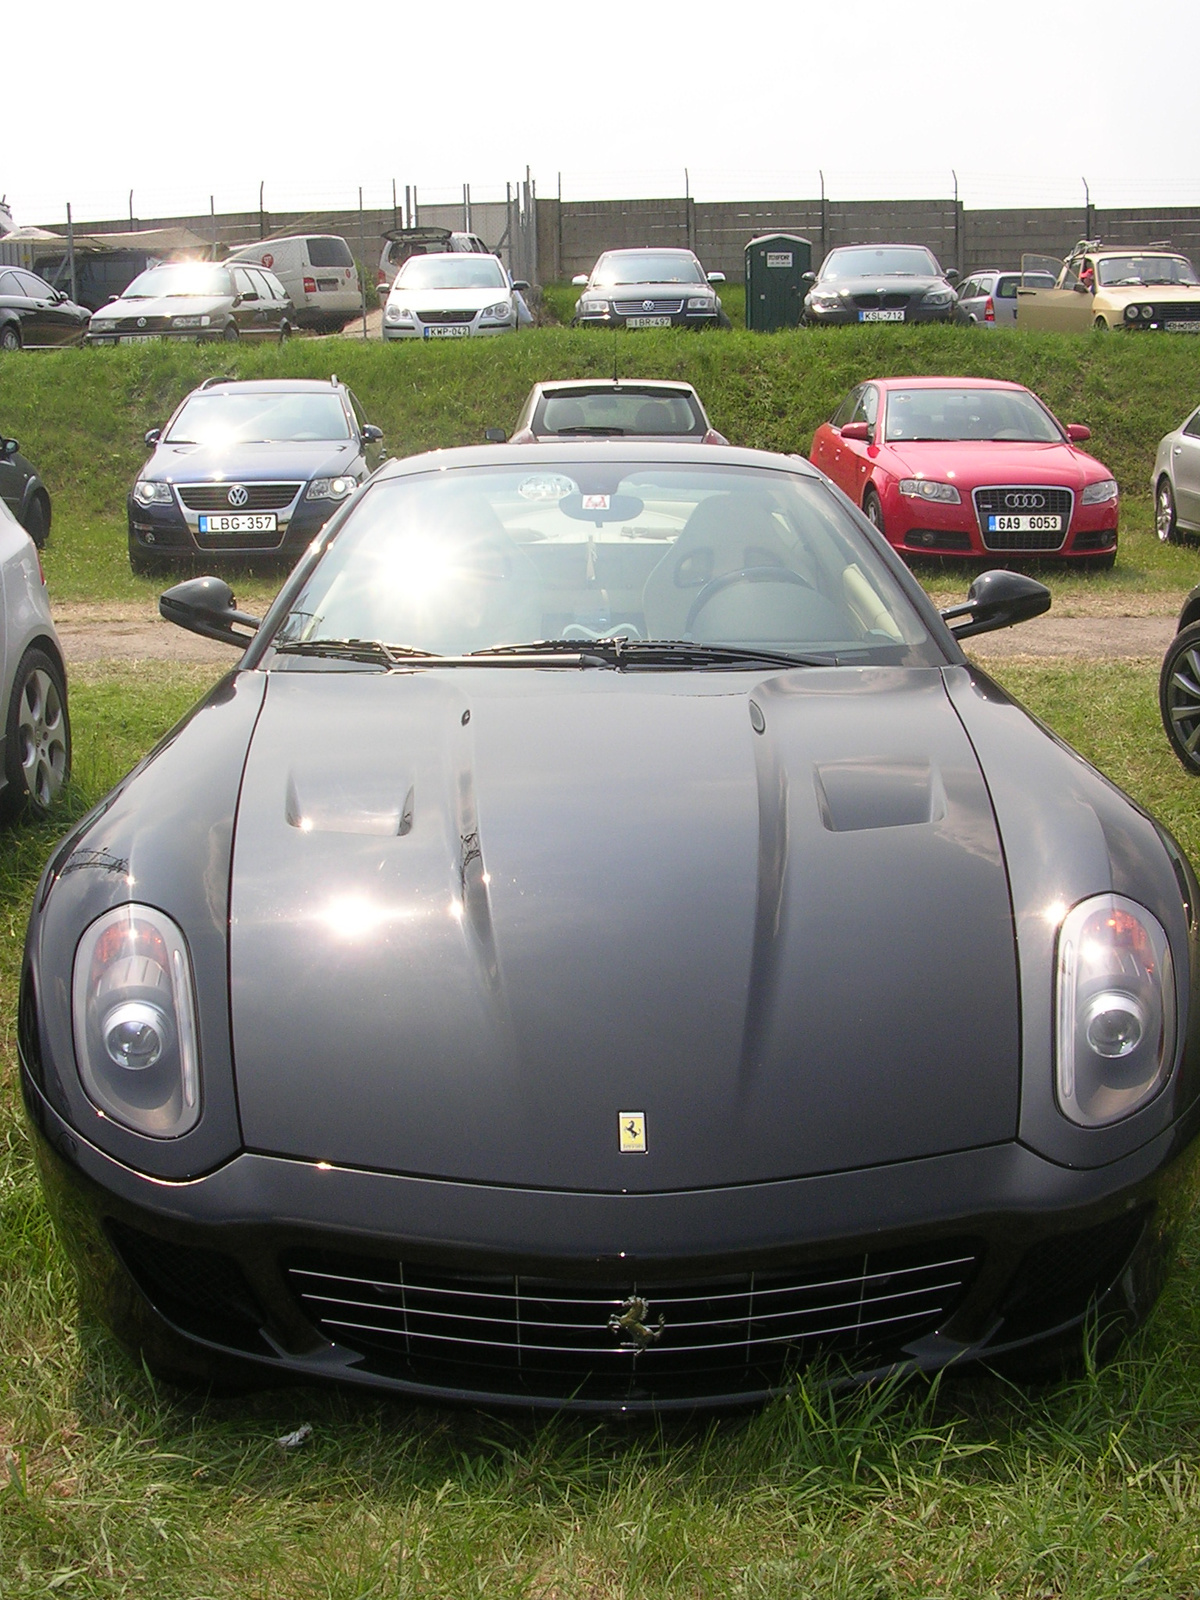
point(318, 272)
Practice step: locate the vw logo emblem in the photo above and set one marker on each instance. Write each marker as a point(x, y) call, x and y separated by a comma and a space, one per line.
point(141, 322)
point(237, 495)
point(1024, 502)
point(647, 305)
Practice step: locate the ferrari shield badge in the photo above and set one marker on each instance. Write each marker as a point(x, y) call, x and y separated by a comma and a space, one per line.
point(632, 1125)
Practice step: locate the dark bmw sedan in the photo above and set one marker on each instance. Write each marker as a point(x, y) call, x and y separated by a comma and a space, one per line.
point(33, 314)
point(649, 289)
point(605, 945)
point(881, 283)
point(249, 470)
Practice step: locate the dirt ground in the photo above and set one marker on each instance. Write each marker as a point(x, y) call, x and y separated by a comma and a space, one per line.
point(134, 632)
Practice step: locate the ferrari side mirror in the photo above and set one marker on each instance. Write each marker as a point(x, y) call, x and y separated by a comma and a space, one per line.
point(206, 606)
point(998, 599)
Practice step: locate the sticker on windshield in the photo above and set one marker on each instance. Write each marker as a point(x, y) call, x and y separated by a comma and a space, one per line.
point(547, 486)
point(595, 502)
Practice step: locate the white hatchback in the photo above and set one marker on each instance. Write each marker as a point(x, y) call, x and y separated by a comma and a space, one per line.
point(451, 296)
point(35, 738)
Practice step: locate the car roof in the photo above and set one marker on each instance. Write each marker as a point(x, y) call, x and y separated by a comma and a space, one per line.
point(946, 383)
point(649, 250)
point(669, 452)
point(271, 385)
point(1132, 250)
point(638, 385)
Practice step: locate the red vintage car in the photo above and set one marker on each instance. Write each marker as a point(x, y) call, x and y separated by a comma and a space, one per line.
point(969, 467)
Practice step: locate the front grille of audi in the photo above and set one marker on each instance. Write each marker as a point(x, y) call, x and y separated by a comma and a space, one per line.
point(1024, 500)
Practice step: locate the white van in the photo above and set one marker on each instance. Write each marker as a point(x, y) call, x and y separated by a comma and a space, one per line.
point(318, 272)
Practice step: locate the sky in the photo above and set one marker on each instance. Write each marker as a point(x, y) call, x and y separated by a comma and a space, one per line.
point(1023, 103)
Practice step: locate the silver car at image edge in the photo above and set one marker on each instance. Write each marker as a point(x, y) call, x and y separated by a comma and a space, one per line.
point(35, 741)
point(1176, 482)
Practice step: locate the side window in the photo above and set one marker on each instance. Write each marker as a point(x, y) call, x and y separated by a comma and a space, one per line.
point(845, 411)
point(242, 283)
point(867, 408)
point(1192, 426)
point(1071, 275)
point(360, 418)
point(37, 288)
point(1006, 287)
point(265, 284)
point(10, 285)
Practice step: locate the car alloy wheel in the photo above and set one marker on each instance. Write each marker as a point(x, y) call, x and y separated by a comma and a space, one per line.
point(873, 510)
point(38, 753)
point(10, 338)
point(1164, 514)
point(1179, 696)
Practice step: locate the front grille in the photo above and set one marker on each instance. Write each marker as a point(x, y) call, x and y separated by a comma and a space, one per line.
point(494, 1332)
point(893, 300)
point(447, 316)
point(937, 539)
point(1175, 311)
point(1032, 499)
point(143, 324)
point(642, 308)
point(259, 496)
point(1060, 1278)
point(201, 1291)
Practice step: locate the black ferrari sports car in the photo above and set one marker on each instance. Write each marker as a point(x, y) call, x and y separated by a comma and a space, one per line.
point(604, 945)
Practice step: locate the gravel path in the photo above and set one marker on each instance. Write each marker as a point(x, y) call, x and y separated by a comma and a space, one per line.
point(134, 633)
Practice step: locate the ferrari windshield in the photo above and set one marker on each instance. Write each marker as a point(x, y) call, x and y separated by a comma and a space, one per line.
point(191, 278)
point(245, 418)
point(1000, 414)
point(618, 411)
point(482, 558)
point(459, 271)
point(880, 261)
point(646, 266)
point(1116, 270)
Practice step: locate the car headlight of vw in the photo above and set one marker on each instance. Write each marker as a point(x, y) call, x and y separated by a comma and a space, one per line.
point(134, 1016)
point(593, 308)
point(190, 322)
point(1095, 494)
point(703, 302)
point(1116, 1010)
point(926, 489)
point(398, 313)
point(152, 494)
point(101, 325)
point(500, 312)
point(330, 488)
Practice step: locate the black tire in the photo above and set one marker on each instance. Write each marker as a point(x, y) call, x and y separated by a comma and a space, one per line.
point(10, 337)
point(285, 331)
point(231, 334)
point(143, 564)
point(37, 753)
point(37, 518)
point(873, 510)
point(1101, 326)
point(1179, 696)
point(1166, 524)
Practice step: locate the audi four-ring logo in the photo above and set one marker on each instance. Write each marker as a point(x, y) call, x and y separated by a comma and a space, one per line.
point(1024, 502)
point(237, 496)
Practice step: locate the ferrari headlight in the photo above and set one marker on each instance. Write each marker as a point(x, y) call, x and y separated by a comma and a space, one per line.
point(926, 489)
point(1116, 1010)
point(134, 1019)
point(329, 488)
point(1095, 494)
point(152, 494)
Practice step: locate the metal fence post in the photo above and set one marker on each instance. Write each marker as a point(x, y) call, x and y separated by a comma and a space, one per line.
point(71, 251)
point(362, 251)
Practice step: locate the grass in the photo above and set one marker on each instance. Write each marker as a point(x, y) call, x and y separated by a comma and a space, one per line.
point(81, 414)
point(113, 1487)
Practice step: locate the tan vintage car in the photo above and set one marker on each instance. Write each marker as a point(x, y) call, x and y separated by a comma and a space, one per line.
point(1101, 287)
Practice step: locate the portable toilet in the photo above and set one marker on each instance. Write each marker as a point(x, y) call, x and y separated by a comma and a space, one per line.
point(777, 267)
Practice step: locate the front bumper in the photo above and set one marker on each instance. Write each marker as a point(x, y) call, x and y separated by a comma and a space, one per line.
point(851, 316)
point(189, 335)
point(679, 319)
point(168, 533)
point(930, 528)
point(446, 332)
point(214, 1275)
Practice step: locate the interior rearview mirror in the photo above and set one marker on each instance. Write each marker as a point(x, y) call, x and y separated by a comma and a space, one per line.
point(206, 606)
point(998, 599)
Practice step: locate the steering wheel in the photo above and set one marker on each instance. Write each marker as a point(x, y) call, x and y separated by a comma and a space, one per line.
point(741, 575)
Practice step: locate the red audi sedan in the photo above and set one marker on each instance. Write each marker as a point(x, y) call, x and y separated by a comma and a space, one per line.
point(969, 467)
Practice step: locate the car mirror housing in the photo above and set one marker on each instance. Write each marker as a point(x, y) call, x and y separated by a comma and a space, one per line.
point(579, 281)
point(998, 599)
point(951, 274)
point(206, 606)
point(520, 284)
point(495, 435)
point(857, 430)
point(1077, 433)
point(152, 436)
point(808, 278)
point(9, 447)
point(716, 277)
point(371, 434)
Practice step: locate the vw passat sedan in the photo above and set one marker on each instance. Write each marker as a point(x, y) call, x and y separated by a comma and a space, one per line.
point(35, 735)
point(248, 469)
point(451, 296)
point(1176, 482)
point(881, 283)
point(605, 945)
point(196, 300)
point(649, 289)
point(606, 408)
point(969, 467)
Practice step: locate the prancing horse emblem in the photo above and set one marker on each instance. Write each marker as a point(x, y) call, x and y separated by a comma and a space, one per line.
point(237, 496)
point(632, 1328)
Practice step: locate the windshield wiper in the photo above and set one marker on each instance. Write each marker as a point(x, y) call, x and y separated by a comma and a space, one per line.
point(372, 651)
point(583, 428)
point(675, 653)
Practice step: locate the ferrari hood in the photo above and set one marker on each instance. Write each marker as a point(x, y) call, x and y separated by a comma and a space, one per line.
point(482, 920)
